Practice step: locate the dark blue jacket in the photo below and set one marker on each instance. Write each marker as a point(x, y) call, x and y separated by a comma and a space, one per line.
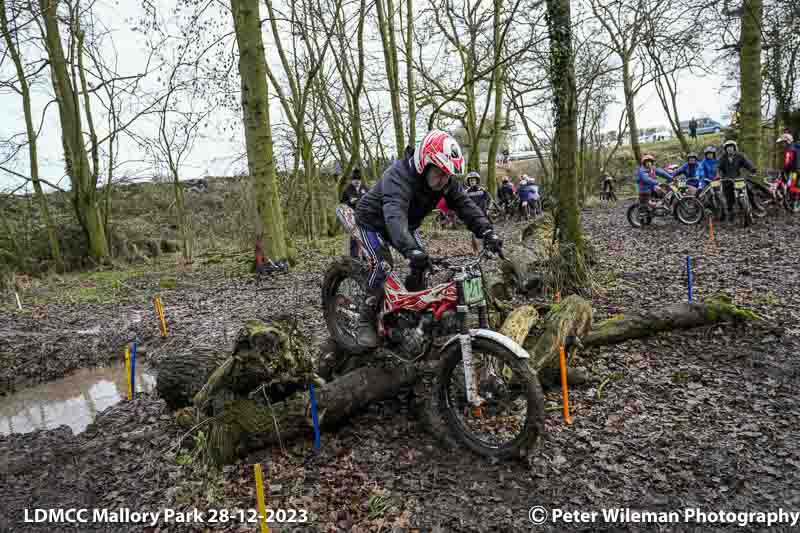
point(695, 175)
point(398, 203)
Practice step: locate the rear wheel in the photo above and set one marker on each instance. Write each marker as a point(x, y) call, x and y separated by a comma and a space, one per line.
point(511, 418)
point(343, 291)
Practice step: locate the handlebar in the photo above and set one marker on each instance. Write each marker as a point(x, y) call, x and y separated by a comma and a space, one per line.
point(446, 264)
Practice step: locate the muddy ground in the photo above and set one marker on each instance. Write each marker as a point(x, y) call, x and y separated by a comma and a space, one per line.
point(705, 418)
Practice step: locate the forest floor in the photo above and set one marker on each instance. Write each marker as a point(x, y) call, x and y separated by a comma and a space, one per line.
point(704, 418)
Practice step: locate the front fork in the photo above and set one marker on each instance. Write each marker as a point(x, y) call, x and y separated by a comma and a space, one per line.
point(465, 340)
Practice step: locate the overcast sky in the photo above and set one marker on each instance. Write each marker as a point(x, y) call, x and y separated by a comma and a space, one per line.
point(214, 152)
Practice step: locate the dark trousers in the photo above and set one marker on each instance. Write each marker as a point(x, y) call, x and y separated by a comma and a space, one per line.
point(729, 191)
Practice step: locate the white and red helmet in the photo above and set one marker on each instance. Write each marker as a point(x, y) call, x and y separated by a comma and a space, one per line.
point(785, 138)
point(441, 149)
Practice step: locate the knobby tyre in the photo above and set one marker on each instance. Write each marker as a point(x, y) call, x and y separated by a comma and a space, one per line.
point(689, 210)
point(515, 379)
point(343, 291)
point(633, 216)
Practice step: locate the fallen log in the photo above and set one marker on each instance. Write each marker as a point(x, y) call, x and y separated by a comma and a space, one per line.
point(676, 316)
point(571, 318)
point(184, 373)
point(249, 424)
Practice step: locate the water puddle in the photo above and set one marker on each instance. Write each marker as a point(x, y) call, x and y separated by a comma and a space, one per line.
point(73, 400)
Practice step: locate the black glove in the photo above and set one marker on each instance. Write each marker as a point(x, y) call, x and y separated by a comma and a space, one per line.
point(418, 259)
point(493, 242)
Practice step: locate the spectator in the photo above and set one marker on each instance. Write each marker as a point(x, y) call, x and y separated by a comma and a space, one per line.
point(693, 128)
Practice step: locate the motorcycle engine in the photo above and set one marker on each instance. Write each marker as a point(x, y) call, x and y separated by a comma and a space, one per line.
point(448, 325)
point(408, 335)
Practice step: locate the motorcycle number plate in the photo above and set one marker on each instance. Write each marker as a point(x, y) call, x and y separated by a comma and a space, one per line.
point(473, 291)
point(716, 184)
point(675, 188)
point(741, 184)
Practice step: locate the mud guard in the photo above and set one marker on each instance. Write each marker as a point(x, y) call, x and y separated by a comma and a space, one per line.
point(499, 338)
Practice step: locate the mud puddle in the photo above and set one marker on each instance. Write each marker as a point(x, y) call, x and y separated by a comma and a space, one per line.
point(73, 400)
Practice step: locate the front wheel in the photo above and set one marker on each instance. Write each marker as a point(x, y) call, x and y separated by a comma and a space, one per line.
point(511, 417)
point(744, 202)
point(689, 210)
point(791, 202)
point(637, 220)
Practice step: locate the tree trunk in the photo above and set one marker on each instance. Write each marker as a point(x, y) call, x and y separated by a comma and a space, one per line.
point(562, 74)
point(412, 105)
point(386, 27)
point(33, 159)
point(499, 72)
point(676, 316)
point(257, 128)
point(750, 80)
point(84, 187)
point(630, 108)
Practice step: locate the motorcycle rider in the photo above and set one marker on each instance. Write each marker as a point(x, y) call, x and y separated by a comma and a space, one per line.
point(695, 178)
point(709, 163)
point(350, 197)
point(528, 192)
point(506, 193)
point(392, 211)
point(791, 163)
point(476, 193)
point(731, 162)
point(647, 183)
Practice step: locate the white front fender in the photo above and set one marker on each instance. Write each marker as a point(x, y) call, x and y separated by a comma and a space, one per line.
point(499, 338)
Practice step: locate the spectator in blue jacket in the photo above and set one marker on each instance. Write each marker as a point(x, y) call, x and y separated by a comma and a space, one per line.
point(695, 178)
point(709, 165)
point(647, 183)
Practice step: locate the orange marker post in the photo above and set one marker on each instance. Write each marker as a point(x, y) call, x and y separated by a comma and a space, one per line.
point(564, 391)
point(711, 228)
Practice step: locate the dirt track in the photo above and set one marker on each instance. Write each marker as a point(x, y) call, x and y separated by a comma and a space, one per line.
point(705, 418)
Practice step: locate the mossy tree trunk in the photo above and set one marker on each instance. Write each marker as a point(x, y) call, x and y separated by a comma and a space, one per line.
point(385, 10)
point(676, 316)
point(412, 106)
point(562, 75)
point(82, 177)
point(499, 72)
point(11, 40)
point(270, 231)
point(750, 80)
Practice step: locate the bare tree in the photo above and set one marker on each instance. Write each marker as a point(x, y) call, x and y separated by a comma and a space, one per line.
point(25, 73)
point(270, 234)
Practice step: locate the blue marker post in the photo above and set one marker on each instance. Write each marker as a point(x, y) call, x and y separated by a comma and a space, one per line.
point(314, 417)
point(689, 275)
point(133, 370)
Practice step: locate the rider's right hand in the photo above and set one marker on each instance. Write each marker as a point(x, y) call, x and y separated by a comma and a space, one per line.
point(418, 259)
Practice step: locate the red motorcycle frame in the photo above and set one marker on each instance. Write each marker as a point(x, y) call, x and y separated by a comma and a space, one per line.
point(439, 299)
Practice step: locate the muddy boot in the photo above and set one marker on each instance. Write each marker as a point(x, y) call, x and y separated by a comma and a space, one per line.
point(367, 333)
